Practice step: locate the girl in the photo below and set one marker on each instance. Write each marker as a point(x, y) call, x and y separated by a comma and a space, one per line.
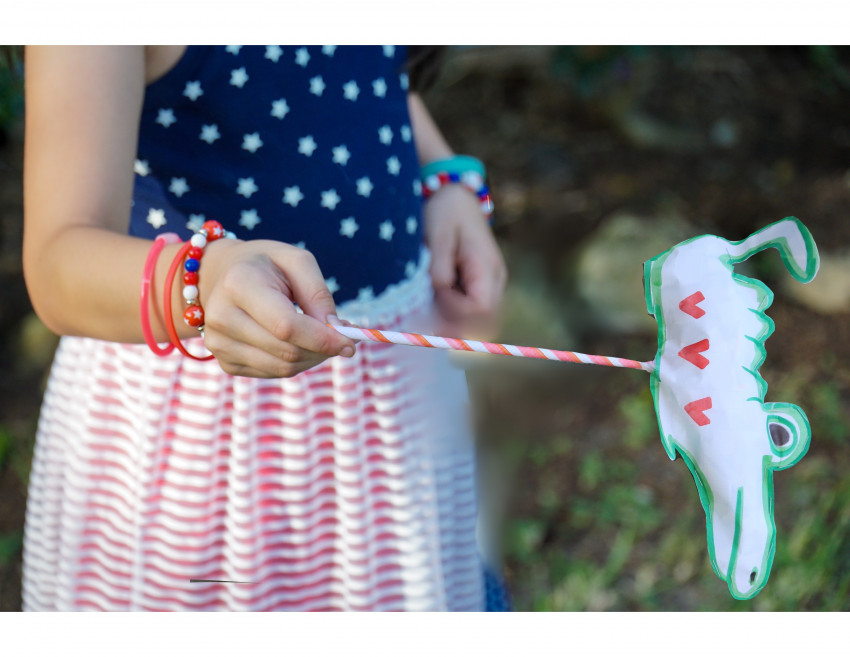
point(296, 470)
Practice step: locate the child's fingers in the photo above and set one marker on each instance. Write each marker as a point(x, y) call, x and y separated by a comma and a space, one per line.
point(306, 282)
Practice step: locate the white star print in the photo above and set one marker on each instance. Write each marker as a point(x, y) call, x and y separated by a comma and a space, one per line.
point(156, 218)
point(306, 145)
point(196, 221)
point(193, 90)
point(333, 286)
point(246, 187)
point(330, 199)
point(365, 294)
point(364, 186)
point(348, 227)
point(379, 87)
point(417, 187)
point(252, 142)
point(238, 77)
point(387, 229)
point(404, 80)
point(406, 134)
point(178, 187)
point(328, 50)
point(233, 50)
point(280, 108)
point(273, 53)
point(350, 90)
point(317, 85)
point(411, 225)
point(165, 117)
point(141, 167)
point(302, 57)
point(341, 155)
point(393, 165)
point(410, 269)
point(249, 219)
point(209, 133)
point(389, 51)
point(300, 245)
point(292, 195)
point(385, 134)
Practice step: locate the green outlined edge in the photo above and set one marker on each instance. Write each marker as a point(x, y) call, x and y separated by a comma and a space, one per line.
point(652, 288)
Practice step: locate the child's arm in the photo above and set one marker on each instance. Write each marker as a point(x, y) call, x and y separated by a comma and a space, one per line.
point(467, 268)
point(83, 271)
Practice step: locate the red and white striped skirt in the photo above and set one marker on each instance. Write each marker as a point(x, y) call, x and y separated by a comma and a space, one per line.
point(347, 487)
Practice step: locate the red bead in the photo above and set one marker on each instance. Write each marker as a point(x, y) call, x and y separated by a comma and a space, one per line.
point(190, 278)
point(444, 178)
point(214, 229)
point(195, 252)
point(194, 316)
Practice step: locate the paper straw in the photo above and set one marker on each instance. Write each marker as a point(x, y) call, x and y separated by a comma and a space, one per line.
point(456, 344)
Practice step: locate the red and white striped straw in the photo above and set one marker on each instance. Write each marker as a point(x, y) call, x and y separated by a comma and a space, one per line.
point(417, 340)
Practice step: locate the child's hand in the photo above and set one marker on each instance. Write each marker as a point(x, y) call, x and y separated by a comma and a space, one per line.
point(467, 268)
point(248, 290)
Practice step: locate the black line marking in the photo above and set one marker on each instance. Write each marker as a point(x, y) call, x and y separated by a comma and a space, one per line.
point(223, 581)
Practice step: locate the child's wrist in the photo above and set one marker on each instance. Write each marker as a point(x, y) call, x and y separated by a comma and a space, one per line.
point(460, 170)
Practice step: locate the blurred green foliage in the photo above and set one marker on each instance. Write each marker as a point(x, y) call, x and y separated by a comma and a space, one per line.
point(11, 87)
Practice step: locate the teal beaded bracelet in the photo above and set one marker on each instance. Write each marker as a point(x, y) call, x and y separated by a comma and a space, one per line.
point(458, 164)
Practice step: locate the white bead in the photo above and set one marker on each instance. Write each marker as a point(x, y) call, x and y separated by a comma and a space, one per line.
point(473, 179)
point(230, 235)
point(198, 240)
point(433, 183)
point(190, 292)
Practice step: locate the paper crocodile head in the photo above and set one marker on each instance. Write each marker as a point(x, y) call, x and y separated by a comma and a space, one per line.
point(709, 396)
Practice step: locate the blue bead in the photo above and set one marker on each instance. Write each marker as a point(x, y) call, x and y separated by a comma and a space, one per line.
point(454, 177)
point(192, 264)
point(482, 193)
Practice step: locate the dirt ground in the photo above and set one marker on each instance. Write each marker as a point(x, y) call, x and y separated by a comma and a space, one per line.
point(731, 138)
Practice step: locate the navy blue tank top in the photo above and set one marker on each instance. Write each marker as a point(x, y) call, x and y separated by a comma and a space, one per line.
point(309, 145)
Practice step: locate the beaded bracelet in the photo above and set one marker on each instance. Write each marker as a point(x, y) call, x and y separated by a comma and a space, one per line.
point(144, 298)
point(472, 180)
point(192, 252)
point(454, 164)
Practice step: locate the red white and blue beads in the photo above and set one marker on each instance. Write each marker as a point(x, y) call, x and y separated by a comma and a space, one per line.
point(209, 232)
point(472, 180)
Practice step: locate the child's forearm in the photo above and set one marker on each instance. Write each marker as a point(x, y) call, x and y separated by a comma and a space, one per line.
point(430, 143)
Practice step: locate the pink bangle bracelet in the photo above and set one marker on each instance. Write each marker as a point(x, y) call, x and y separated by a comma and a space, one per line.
point(150, 263)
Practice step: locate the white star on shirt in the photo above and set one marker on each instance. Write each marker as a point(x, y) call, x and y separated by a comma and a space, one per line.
point(379, 87)
point(209, 133)
point(306, 145)
point(330, 199)
point(156, 218)
point(196, 222)
point(393, 165)
point(141, 167)
point(411, 224)
point(238, 77)
point(280, 108)
point(165, 117)
point(302, 57)
point(404, 80)
point(246, 187)
point(249, 219)
point(317, 85)
point(292, 195)
point(328, 50)
point(193, 90)
point(178, 187)
point(387, 229)
point(350, 90)
point(389, 51)
point(348, 227)
point(273, 53)
point(252, 142)
point(410, 269)
point(364, 186)
point(385, 134)
point(365, 294)
point(405, 133)
point(333, 286)
point(417, 187)
point(341, 155)
point(233, 50)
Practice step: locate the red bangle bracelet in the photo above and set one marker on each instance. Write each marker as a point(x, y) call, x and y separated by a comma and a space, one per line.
point(144, 298)
point(166, 300)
